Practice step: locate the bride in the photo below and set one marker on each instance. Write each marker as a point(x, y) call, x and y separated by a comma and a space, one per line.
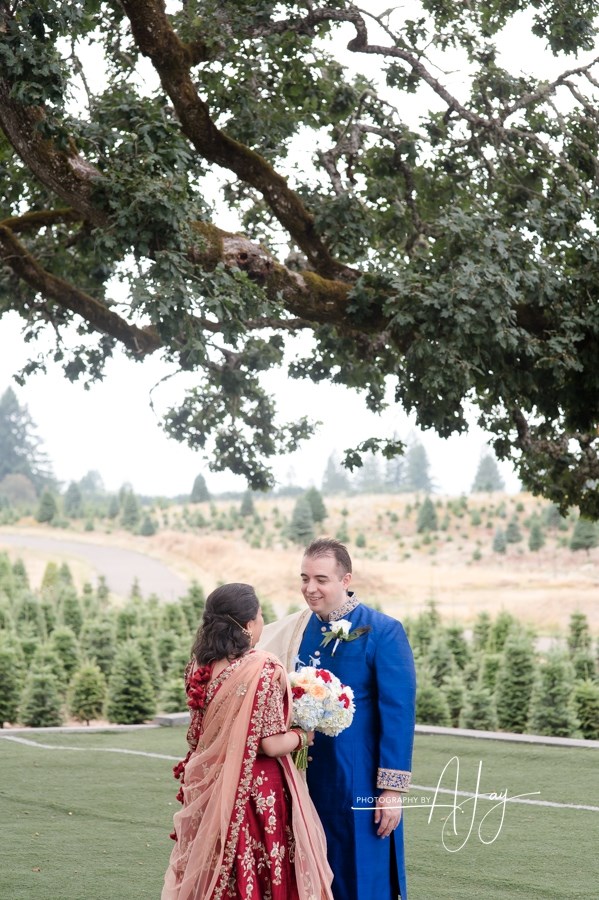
point(247, 828)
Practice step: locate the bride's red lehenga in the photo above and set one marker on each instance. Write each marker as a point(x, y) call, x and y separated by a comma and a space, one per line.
point(234, 835)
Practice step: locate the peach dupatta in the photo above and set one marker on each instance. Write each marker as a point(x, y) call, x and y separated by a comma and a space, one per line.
point(218, 778)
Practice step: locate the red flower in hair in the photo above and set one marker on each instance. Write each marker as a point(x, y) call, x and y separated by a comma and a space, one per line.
point(297, 692)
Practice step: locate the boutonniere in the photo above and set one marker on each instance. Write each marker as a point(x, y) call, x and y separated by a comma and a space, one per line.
point(340, 632)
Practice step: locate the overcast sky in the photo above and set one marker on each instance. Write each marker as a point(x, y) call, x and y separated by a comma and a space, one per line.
point(113, 429)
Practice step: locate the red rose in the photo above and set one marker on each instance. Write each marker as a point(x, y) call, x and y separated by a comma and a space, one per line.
point(345, 700)
point(297, 692)
point(324, 674)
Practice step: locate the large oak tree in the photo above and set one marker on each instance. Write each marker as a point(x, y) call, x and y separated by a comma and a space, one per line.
point(454, 256)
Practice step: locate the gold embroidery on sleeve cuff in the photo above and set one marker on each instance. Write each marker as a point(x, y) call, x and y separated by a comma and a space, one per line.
point(393, 780)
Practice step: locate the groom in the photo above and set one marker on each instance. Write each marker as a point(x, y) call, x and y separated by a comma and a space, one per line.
point(356, 779)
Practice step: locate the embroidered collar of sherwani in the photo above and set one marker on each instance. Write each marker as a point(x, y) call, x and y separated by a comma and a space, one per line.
point(346, 607)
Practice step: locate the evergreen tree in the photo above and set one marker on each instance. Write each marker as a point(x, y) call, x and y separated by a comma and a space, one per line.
point(173, 698)
point(72, 504)
point(130, 693)
point(552, 709)
point(41, 703)
point(29, 612)
point(586, 705)
point(453, 690)
point(196, 597)
point(427, 517)
point(585, 535)
point(579, 634)
point(431, 704)
point(585, 666)
point(268, 612)
point(314, 498)
point(478, 712)
point(98, 642)
point(173, 619)
point(458, 645)
point(369, 478)
point(149, 651)
point(515, 680)
point(335, 480)
point(127, 620)
point(489, 669)
point(501, 627)
point(417, 477)
point(131, 512)
point(47, 508)
point(65, 645)
point(481, 631)
point(199, 491)
point(513, 535)
point(499, 541)
point(20, 447)
point(536, 538)
point(71, 612)
point(247, 505)
point(9, 684)
point(147, 527)
point(46, 656)
point(487, 476)
point(114, 507)
point(439, 660)
point(301, 527)
point(87, 693)
point(167, 643)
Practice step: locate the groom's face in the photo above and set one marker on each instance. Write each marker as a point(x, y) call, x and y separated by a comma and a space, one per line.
point(324, 585)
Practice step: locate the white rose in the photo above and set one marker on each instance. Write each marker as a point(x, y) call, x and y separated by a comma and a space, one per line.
point(342, 625)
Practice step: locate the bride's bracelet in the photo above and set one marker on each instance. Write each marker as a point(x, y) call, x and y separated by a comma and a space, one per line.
point(303, 738)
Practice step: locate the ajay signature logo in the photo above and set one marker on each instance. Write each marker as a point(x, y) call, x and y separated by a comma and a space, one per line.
point(456, 832)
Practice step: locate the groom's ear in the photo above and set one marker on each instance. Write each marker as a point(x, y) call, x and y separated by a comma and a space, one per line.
point(346, 580)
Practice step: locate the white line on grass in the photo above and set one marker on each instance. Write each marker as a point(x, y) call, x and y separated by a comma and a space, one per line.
point(418, 787)
point(28, 743)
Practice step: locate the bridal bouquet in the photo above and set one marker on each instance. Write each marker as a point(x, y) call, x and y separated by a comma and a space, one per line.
point(320, 703)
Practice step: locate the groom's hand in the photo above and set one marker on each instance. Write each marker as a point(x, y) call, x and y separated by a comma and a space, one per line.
point(387, 814)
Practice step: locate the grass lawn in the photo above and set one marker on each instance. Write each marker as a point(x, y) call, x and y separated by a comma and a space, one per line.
point(93, 825)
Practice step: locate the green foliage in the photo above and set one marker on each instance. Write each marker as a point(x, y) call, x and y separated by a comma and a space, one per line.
point(478, 712)
point(131, 697)
point(499, 541)
point(199, 491)
point(47, 508)
point(552, 709)
point(65, 645)
point(20, 449)
point(173, 698)
point(147, 527)
point(319, 511)
point(513, 535)
point(431, 704)
point(335, 480)
point(360, 539)
point(98, 643)
point(458, 645)
point(247, 507)
point(489, 670)
point(87, 693)
point(585, 535)
point(416, 470)
point(487, 476)
point(268, 611)
point(536, 538)
point(130, 510)
point(71, 612)
point(72, 503)
point(579, 633)
point(515, 679)
point(453, 690)
point(439, 661)
point(41, 702)
point(9, 684)
point(501, 627)
point(427, 517)
point(301, 526)
point(586, 706)
point(481, 630)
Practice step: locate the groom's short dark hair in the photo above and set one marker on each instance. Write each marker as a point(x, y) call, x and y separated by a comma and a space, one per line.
point(330, 547)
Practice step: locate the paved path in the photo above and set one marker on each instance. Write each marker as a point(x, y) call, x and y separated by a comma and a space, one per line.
point(119, 566)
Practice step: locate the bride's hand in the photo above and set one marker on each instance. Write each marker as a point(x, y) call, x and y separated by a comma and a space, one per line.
point(310, 736)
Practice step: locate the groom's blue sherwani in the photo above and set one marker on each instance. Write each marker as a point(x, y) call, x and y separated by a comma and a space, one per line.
point(375, 752)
